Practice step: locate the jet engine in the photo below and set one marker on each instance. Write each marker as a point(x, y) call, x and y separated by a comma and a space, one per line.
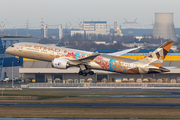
point(60, 63)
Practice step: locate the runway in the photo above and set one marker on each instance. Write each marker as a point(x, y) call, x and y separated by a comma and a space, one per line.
point(74, 119)
point(86, 105)
point(136, 96)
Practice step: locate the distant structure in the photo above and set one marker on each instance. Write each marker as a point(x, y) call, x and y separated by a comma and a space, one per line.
point(117, 30)
point(78, 26)
point(164, 26)
point(14, 31)
point(60, 31)
point(93, 27)
point(2, 25)
point(46, 30)
point(115, 27)
point(27, 28)
point(130, 23)
point(42, 28)
point(127, 22)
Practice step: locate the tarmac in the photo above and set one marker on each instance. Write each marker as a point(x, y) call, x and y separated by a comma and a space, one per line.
point(88, 105)
point(73, 119)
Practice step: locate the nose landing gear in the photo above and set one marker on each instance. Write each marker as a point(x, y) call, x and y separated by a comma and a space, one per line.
point(18, 61)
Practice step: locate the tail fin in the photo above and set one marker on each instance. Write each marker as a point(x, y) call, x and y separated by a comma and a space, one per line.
point(157, 57)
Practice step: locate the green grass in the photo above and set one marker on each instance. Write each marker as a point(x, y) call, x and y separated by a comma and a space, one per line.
point(90, 112)
point(50, 95)
point(64, 97)
point(78, 92)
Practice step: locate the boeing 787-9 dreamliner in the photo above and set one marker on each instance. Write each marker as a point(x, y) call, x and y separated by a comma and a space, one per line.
point(63, 58)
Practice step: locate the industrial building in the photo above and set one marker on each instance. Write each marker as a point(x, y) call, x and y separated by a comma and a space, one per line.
point(93, 27)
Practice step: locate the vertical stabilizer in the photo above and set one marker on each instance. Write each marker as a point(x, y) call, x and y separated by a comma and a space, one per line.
point(157, 57)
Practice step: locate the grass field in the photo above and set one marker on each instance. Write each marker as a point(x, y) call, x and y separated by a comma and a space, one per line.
point(75, 92)
point(63, 97)
point(99, 100)
point(81, 112)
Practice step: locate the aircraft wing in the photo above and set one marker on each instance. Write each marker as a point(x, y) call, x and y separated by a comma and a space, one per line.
point(85, 60)
point(123, 52)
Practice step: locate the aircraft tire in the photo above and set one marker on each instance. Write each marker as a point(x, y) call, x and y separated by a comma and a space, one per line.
point(84, 74)
point(80, 73)
point(91, 72)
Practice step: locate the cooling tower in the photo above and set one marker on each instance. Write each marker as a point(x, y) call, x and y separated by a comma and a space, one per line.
point(164, 26)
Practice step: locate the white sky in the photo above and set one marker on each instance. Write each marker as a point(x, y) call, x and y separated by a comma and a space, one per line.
point(17, 12)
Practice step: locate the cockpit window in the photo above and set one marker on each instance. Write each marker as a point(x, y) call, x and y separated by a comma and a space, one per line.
point(12, 46)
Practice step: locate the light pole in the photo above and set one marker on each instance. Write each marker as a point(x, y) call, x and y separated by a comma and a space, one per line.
point(12, 74)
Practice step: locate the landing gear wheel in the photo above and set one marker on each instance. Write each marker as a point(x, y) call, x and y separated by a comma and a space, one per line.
point(91, 72)
point(84, 74)
point(80, 73)
point(18, 61)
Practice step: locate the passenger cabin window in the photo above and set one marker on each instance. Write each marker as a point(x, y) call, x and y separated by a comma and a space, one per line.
point(12, 46)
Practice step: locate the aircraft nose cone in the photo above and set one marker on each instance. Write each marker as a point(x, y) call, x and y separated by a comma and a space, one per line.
point(8, 50)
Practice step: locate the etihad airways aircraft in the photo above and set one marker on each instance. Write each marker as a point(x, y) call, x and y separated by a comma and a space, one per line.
point(63, 58)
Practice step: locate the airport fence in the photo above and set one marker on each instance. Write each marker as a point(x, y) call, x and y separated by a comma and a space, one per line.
point(48, 85)
point(105, 85)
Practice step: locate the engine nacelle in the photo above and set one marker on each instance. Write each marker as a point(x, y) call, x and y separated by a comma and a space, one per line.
point(60, 63)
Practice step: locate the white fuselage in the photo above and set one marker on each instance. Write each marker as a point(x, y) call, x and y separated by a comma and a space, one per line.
point(101, 62)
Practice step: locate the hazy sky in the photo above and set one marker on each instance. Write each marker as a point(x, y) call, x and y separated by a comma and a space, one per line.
point(17, 12)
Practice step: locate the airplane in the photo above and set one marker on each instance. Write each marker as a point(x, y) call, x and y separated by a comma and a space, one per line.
point(63, 58)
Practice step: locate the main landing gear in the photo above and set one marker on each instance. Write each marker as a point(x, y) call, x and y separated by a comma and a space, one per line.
point(84, 71)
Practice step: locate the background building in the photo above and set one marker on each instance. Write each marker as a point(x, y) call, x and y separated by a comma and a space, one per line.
point(93, 27)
